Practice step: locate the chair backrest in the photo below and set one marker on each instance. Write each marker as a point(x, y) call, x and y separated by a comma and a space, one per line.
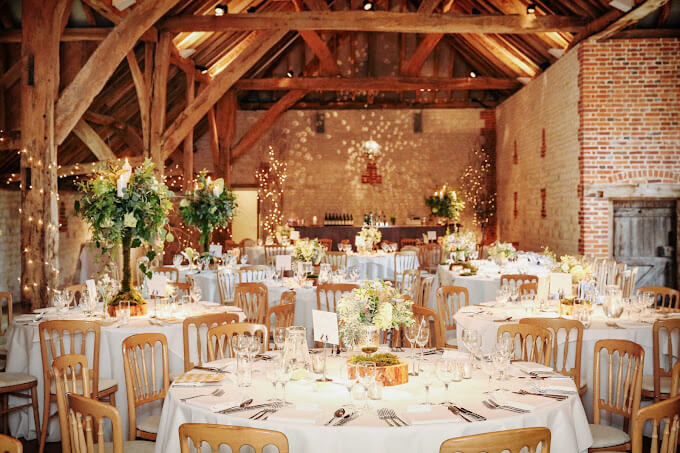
point(61, 337)
point(563, 331)
point(233, 436)
point(5, 308)
point(226, 284)
point(247, 242)
point(284, 313)
point(535, 343)
point(170, 272)
point(253, 299)
point(147, 376)
point(449, 300)
point(618, 392)
point(219, 338)
point(665, 298)
point(252, 274)
point(436, 338)
point(10, 444)
point(675, 380)
point(408, 241)
point(70, 376)
point(327, 244)
point(337, 260)
point(410, 282)
point(404, 260)
point(517, 279)
point(76, 293)
point(200, 325)
point(86, 420)
point(182, 288)
point(328, 294)
point(665, 350)
point(665, 422)
point(513, 441)
point(430, 256)
point(272, 251)
point(424, 291)
point(528, 288)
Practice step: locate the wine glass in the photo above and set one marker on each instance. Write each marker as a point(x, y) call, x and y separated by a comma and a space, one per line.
point(177, 260)
point(367, 372)
point(423, 337)
point(346, 370)
point(254, 346)
point(427, 375)
point(472, 341)
point(411, 333)
point(444, 370)
point(279, 337)
point(273, 372)
point(195, 293)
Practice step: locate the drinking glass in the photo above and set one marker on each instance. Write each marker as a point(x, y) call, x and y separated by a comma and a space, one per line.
point(58, 300)
point(177, 260)
point(279, 337)
point(500, 364)
point(348, 369)
point(487, 366)
point(254, 346)
point(501, 296)
point(273, 372)
point(195, 294)
point(367, 372)
point(445, 372)
point(317, 363)
point(124, 311)
point(427, 376)
point(583, 315)
point(244, 259)
point(411, 335)
point(423, 337)
point(472, 340)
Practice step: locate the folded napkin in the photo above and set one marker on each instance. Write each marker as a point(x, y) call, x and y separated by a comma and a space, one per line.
point(424, 415)
point(217, 403)
point(190, 379)
point(227, 365)
point(24, 318)
point(531, 367)
point(555, 386)
point(526, 402)
point(301, 413)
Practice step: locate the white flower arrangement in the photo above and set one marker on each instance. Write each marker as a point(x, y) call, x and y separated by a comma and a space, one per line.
point(282, 232)
point(307, 250)
point(502, 251)
point(375, 303)
point(575, 266)
point(461, 242)
point(370, 235)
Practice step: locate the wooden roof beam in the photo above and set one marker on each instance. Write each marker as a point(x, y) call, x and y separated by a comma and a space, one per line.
point(630, 18)
point(64, 171)
point(359, 84)
point(93, 140)
point(76, 34)
point(377, 21)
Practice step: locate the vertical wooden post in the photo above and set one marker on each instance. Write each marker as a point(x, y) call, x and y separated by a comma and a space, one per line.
point(41, 31)
point(189, 140)
point(226, 127)
point(158, 101)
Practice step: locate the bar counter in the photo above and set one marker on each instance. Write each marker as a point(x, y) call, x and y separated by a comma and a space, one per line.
point(390, 233)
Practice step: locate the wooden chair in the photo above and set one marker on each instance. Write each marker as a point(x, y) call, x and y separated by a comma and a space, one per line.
point(170, 272)
point(429, 257)
point(16, 384)
point(77, 293)
point(408, 241)
point(411, 248)
point(618, 394)
point(247, 242)
point(253, 299)
point(512, 440)
point(201, 324)
point(675, 380)
point(147, 379)
point(252, 274)
point(219, 338)
point(5, 322)
point(424, 291)
point(436, 339)
point(403, 261)
point(86, 420)
point(70, 376)
point(272, 251)
point(666, 414)
point(535, 343)
point(61, 337)
point(562, 329)
point(664, 298)
point(326, 244)
point(10, 444)
point(226, 284)
point(666, 346)
point(229, 245)
point(328, 294)
point(517, 279)
point(234, 436)
point(182, 288)
point(450, 299)
point(283, 314)
point(528, 288)
point(337, 260)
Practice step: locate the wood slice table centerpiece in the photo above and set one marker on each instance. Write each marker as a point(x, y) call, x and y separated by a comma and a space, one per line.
point(390, 370)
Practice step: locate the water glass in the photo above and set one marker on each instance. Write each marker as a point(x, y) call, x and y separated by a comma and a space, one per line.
point(367, 372)
point(124, 311)
point(317, 363)
point(427, 375)
point(445, 371)
point(273, 371)
point(195, 294)
point(177, 260)
point(583, 315)
point(279, 337)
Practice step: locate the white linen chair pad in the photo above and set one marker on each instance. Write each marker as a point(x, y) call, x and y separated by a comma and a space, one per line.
point(607, 436)
point(149, 424)
point(133, 446)
point(10, 379)
point(104, 384)
point(664, 384)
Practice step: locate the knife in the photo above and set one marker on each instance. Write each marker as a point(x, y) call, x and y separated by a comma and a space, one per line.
point(457, 411)
point(470, 413)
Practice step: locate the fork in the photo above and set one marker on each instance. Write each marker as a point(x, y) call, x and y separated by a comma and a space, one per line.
point(270, 409)
point(383, 415)
point(493, 405)
point(393, 415)
point(216, 392)
point(547, 395)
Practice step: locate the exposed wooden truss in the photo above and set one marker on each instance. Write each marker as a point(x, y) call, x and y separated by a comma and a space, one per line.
point(630, 18)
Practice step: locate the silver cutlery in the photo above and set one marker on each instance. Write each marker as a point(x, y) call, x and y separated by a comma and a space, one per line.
point(394, 416)
point(546, 395)
point(346, 419)
point(337, 414)
point(470, 413)
point(382, 415)
point(244, 406)
point(267, 411)
point(493, 405)
point(457, 412)
point(216, 392)
point(214, 369)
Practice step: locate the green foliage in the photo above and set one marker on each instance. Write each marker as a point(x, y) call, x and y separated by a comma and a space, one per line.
point(379, 359)
point(210, 205)
point(445, 204)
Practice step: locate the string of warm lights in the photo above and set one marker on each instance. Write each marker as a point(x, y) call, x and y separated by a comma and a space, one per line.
point(271, 177)
point(475, 187)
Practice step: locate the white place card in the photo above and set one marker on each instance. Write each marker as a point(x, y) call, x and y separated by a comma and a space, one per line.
point(158, 285)
point(91, 289)
point(560, 281)
point(215, 250)
point(432, 236)
point(294, 235)
point(283, 262)
point(325, 326)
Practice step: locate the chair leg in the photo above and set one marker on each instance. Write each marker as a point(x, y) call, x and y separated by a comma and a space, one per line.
point(45, 420)
point(36, 411)
point(112, 399)
point(5, 416)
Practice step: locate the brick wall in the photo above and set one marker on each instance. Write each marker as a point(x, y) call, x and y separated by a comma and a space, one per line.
point(540, 120)
point(630, 129)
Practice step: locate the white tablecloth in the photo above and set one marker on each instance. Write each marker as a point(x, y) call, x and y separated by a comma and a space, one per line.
point(256, 254)
point(640, 333)
point(566, 419)
point(24, 357)
point(380, 265)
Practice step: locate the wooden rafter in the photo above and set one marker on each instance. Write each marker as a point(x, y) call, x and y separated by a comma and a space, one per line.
point(75, 35)
point(359, 84)
point(378, 21)
point(159, 100)
point(328, 63)
point(12, 75)
point(415, 63)
point(142, 89)
point(189, 139)
point(86, 168)
point(630, 18)
point(93, 140)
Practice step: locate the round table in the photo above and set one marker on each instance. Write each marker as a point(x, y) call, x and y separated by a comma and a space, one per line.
point(303, 422)
point(485, 319)
point(379, 265)
point(24, 356)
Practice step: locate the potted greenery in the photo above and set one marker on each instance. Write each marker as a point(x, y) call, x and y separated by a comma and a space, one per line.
point(129, 209)
point(210, 205)
point(445, 203)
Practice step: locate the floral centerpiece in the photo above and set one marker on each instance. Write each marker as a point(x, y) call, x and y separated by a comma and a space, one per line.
point(575, 266)
point(283, 233)
point(210, 205)
point(502, 251)
point(461, 245)
point(130, 209)
point(370, 236)
point(445, 203)
point(308, 250)
point(191, 255)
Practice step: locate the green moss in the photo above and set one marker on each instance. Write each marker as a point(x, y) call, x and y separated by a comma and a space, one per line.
point(379, 359)
point(133, 296)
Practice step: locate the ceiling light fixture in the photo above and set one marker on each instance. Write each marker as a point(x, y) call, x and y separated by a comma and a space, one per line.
point(202, 68)
point(368, 5)
point(531, 8)
point(221, 10)
point(473, 74)
point(290, 73)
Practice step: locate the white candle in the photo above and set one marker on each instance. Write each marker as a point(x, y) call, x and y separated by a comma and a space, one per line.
point(314, 220)
point(123, 179)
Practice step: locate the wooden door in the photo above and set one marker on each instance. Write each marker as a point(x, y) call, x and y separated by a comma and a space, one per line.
point(645, 235)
